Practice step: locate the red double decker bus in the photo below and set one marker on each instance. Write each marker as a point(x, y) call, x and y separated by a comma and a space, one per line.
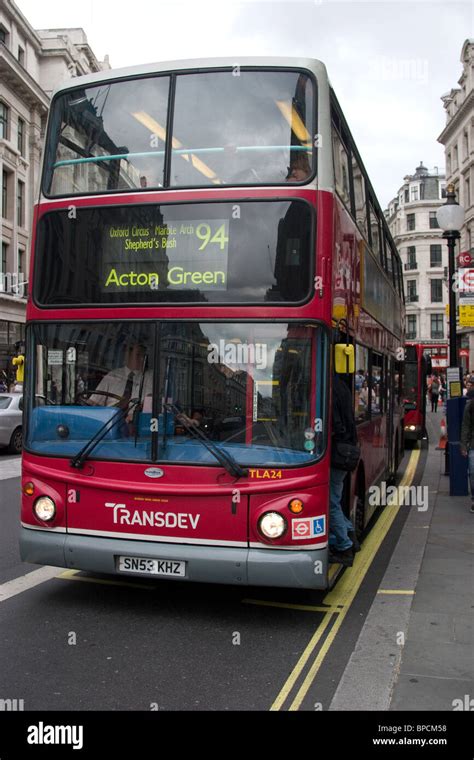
point(418, 364)
point(205, 231)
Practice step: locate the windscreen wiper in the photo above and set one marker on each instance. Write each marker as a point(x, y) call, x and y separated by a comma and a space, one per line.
point(78, 460)
point(223, 457)
point(139, 406)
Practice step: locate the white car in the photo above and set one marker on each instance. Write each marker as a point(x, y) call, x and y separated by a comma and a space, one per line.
point(11, 419)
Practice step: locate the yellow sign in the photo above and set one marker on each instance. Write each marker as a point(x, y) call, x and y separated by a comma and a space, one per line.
point(466, 316)
point(455, 390)
point(447, 310)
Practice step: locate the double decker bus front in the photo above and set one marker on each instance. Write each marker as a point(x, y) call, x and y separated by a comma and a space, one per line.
point(176, 420)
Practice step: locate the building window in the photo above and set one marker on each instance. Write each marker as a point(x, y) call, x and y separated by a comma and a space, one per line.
point(411, 257)
point(437, 326)
point(455, 158)
point(465, 145)
point(435, 256)
point(411, 327)
point(3, 273)
point(467, 193)
point(448, 164)
point(3, 36)
point(410, 222)
point(407, 196)
point(21, 262)
point(21, 136)
point(436, 291)
point(21, 55)
point(414, 193)
point(4, 194)
point(433, 221)
point(3, 121)
point(20, 204)
point(411, 291)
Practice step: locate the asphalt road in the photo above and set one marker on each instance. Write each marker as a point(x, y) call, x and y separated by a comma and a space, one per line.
point(81, 642)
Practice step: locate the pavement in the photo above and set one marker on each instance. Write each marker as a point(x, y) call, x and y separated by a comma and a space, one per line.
point(415, 650)
point(10, 466)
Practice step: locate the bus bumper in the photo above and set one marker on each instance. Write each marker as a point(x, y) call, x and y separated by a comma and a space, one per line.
point(204, 564)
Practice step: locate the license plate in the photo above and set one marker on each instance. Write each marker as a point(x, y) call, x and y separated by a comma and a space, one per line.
point(169, 567)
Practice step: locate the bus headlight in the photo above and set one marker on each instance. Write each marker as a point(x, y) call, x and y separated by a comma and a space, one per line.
point(272, 525)
point(44, 508)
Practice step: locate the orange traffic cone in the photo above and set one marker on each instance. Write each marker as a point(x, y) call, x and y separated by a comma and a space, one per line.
point(443, 436)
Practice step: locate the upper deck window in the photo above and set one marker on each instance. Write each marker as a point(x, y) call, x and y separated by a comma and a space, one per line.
point(242, 127)
point(232, 127)
point(108, 137)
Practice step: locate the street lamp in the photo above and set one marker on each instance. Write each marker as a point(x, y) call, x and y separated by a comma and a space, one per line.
point(451, 218)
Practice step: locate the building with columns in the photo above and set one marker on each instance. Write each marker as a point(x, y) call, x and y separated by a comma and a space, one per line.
point(32, 63)
point(411, 216)
point(458, 140)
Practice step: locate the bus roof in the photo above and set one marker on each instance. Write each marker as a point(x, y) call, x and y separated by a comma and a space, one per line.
point(317, 67)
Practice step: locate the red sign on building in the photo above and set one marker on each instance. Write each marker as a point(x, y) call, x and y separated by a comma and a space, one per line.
point(464, 259)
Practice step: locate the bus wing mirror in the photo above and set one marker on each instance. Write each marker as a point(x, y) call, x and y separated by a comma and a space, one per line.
point(344, 358)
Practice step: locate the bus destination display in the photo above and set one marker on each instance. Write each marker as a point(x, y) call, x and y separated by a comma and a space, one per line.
point(181, 255)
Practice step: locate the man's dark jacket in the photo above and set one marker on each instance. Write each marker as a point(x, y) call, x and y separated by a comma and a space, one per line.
point(343, 419)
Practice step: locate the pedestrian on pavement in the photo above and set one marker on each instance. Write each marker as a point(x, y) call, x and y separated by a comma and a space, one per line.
point(343, 542)
point(435, 387)
point(467, 442)
point(442, 389)
point(469, 390)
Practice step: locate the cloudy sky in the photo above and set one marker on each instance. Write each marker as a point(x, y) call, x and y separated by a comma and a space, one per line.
point(389, 60)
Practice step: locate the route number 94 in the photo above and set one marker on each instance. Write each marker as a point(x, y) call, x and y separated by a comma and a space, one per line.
point(204, 233)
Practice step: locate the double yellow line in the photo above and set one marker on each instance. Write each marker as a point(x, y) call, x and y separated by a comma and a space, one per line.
point(338, 600)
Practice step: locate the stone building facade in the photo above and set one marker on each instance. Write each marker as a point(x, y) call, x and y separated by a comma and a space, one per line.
point(411, 216)
point(458, 140)
point(32, 63)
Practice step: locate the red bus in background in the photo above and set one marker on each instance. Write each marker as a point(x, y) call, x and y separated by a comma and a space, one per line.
point(418, 364)
point(438, 354)
point(202, 229)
